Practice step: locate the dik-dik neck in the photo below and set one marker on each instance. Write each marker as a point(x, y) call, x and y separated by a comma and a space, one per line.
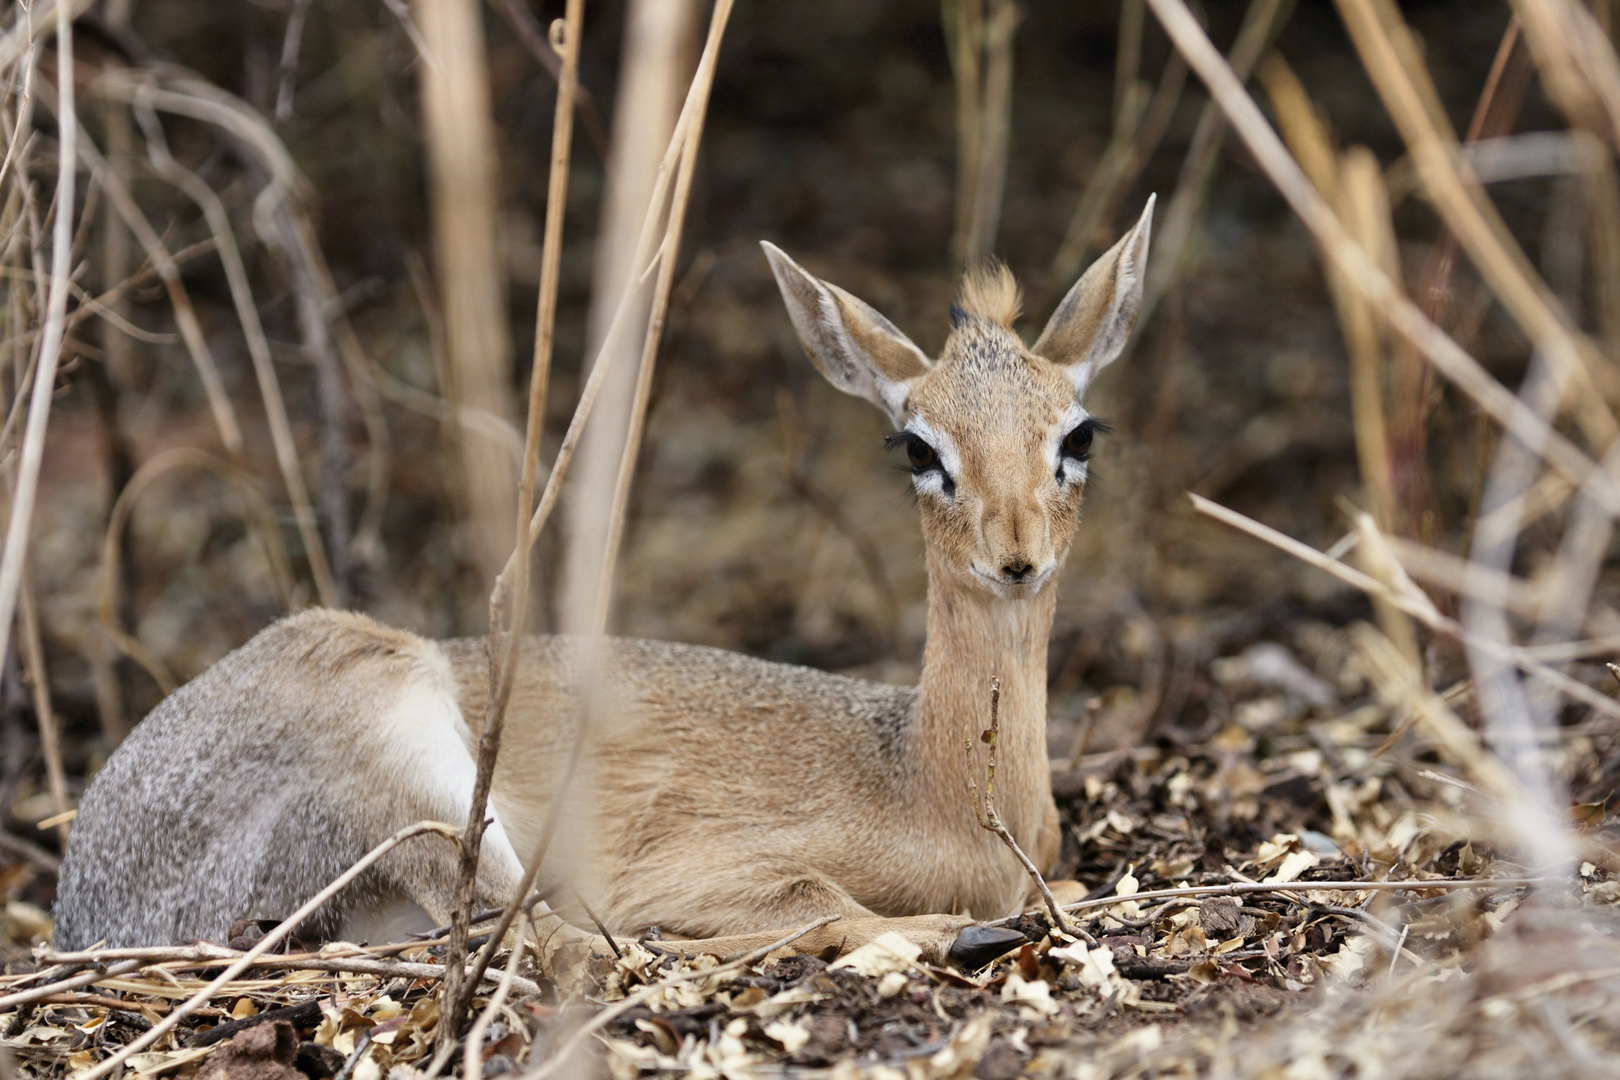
point(974, 639)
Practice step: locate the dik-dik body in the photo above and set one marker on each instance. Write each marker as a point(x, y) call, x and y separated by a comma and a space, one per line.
point(731, 796)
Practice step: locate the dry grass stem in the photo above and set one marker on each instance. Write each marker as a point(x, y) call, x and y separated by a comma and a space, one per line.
point(50, 741)
point(258, 345)
point(980, 47)
point(262, 946)
point(461, 153)
point(1392, 60)
point(510, 595)
point(1447, 356)
point(50, 347)
point(1412, 602)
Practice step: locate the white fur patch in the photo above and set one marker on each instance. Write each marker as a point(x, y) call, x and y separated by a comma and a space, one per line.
point(428, 738)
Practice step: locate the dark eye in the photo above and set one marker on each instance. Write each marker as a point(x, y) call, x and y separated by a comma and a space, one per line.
point(1077, 443)
point(921, 456)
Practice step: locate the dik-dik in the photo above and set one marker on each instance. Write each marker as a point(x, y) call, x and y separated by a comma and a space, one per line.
point(732, 797)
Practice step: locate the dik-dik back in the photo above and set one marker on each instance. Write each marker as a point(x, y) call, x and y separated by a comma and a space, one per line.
point(726, 795)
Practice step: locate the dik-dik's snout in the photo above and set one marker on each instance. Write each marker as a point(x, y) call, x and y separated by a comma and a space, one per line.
point(1015, 547)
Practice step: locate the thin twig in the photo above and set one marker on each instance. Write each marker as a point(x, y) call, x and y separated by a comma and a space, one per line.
point(473, 1056)
point(264, 945)
point(984, 808)
point(87, 978)
point(1246, 888)
point(1391, 60)
point(258, 344)
point(50, 741)
point(508, 615)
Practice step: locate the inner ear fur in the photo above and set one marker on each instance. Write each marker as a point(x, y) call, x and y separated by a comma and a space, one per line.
point(1091, 326)
point(853, 346)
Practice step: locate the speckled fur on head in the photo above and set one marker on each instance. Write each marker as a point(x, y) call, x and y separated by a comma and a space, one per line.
point(730, 798)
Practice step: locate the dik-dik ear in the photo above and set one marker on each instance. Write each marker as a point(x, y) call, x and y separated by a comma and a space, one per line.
point(1090, 327)
point(857, 349)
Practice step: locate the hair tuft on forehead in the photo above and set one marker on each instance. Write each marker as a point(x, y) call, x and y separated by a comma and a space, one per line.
point(990, 292)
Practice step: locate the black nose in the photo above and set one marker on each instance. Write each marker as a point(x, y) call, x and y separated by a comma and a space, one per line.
point(1016, 570)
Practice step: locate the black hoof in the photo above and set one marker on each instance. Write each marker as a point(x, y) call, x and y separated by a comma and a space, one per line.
point(978, 945)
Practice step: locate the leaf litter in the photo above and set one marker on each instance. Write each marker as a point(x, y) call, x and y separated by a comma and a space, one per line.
point(1301, 777)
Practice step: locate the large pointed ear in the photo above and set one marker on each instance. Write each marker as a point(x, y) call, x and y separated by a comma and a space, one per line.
point(854, 347)
point(1090, 327)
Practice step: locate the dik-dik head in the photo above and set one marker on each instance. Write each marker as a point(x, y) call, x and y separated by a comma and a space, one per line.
point(996, 431)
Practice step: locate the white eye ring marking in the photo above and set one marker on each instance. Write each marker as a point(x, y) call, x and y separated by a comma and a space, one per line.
point(1066, 469)
point(933, 481)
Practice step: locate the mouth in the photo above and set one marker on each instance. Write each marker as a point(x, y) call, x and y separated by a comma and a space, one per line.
point(1013, 590)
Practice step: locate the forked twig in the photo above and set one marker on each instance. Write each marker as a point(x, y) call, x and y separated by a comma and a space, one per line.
point(984, 809)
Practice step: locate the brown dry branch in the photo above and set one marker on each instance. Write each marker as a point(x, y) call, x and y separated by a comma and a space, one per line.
point(50, 348)
point(264, 945)
point(564, 1057)
point(984, 809)
point(508, 616)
